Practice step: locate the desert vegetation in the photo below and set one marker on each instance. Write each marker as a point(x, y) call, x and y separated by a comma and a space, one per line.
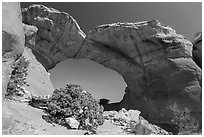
point(17, 78)
point(73, 102)
point(184, 122)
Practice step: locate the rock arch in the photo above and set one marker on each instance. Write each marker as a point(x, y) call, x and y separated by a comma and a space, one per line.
point(155, 61)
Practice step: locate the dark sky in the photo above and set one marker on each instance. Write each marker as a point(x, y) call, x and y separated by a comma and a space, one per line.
point(185, 18)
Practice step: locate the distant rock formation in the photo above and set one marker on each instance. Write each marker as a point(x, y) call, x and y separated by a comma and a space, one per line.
point(103, 101)
point(109, 106)
point(12, 39)
point(197, 49)
point(155, 61)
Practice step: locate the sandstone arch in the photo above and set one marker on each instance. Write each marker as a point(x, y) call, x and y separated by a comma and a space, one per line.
point(155, 61)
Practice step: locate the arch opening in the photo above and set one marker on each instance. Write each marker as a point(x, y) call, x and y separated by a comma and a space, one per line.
point(101, 82)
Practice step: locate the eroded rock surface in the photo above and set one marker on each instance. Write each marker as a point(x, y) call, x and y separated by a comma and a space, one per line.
point(37, 81)
point(132, 122)
point(12, 39)
point(155, 61)
point(58, 37)
point(197, 49)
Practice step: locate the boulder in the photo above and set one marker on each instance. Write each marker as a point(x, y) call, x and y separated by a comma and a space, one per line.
point(72, 122)
point(197, 49)
point(121, 116)
point(132, 122)
point(109, 115)
point(143, 127)
point(124, 117)
point(12, 39)
point(134, 115)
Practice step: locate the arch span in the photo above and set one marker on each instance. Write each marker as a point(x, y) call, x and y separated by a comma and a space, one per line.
point(155, 61)
point(98, 80)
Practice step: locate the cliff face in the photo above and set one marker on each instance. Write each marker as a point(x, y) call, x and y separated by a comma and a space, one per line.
point(12, 39)
point(155, 61)
point(19, 118)
point(37, 81)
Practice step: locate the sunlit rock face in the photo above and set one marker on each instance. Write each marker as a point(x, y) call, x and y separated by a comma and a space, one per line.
point(12, 39)
point(155, 61)
point(38, 79)
point(197, 49)
point(58, 37)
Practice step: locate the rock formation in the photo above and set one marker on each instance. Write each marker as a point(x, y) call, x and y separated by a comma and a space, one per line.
point(58, 38)
point(197, 49)
point(131, 121)
point(37, 81)
point(18, 118)
point(12, 39)
point(155, 61)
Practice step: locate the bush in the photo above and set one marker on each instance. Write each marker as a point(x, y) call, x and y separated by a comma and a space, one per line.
point(183, 120)
point(73, 102)
point(18, 76)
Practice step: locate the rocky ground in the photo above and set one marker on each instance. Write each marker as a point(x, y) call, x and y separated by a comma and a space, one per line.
point(22, 119)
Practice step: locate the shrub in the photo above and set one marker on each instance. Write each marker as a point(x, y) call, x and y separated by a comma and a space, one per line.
point(18, 76)
point(72, 101)
point(185, 123)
